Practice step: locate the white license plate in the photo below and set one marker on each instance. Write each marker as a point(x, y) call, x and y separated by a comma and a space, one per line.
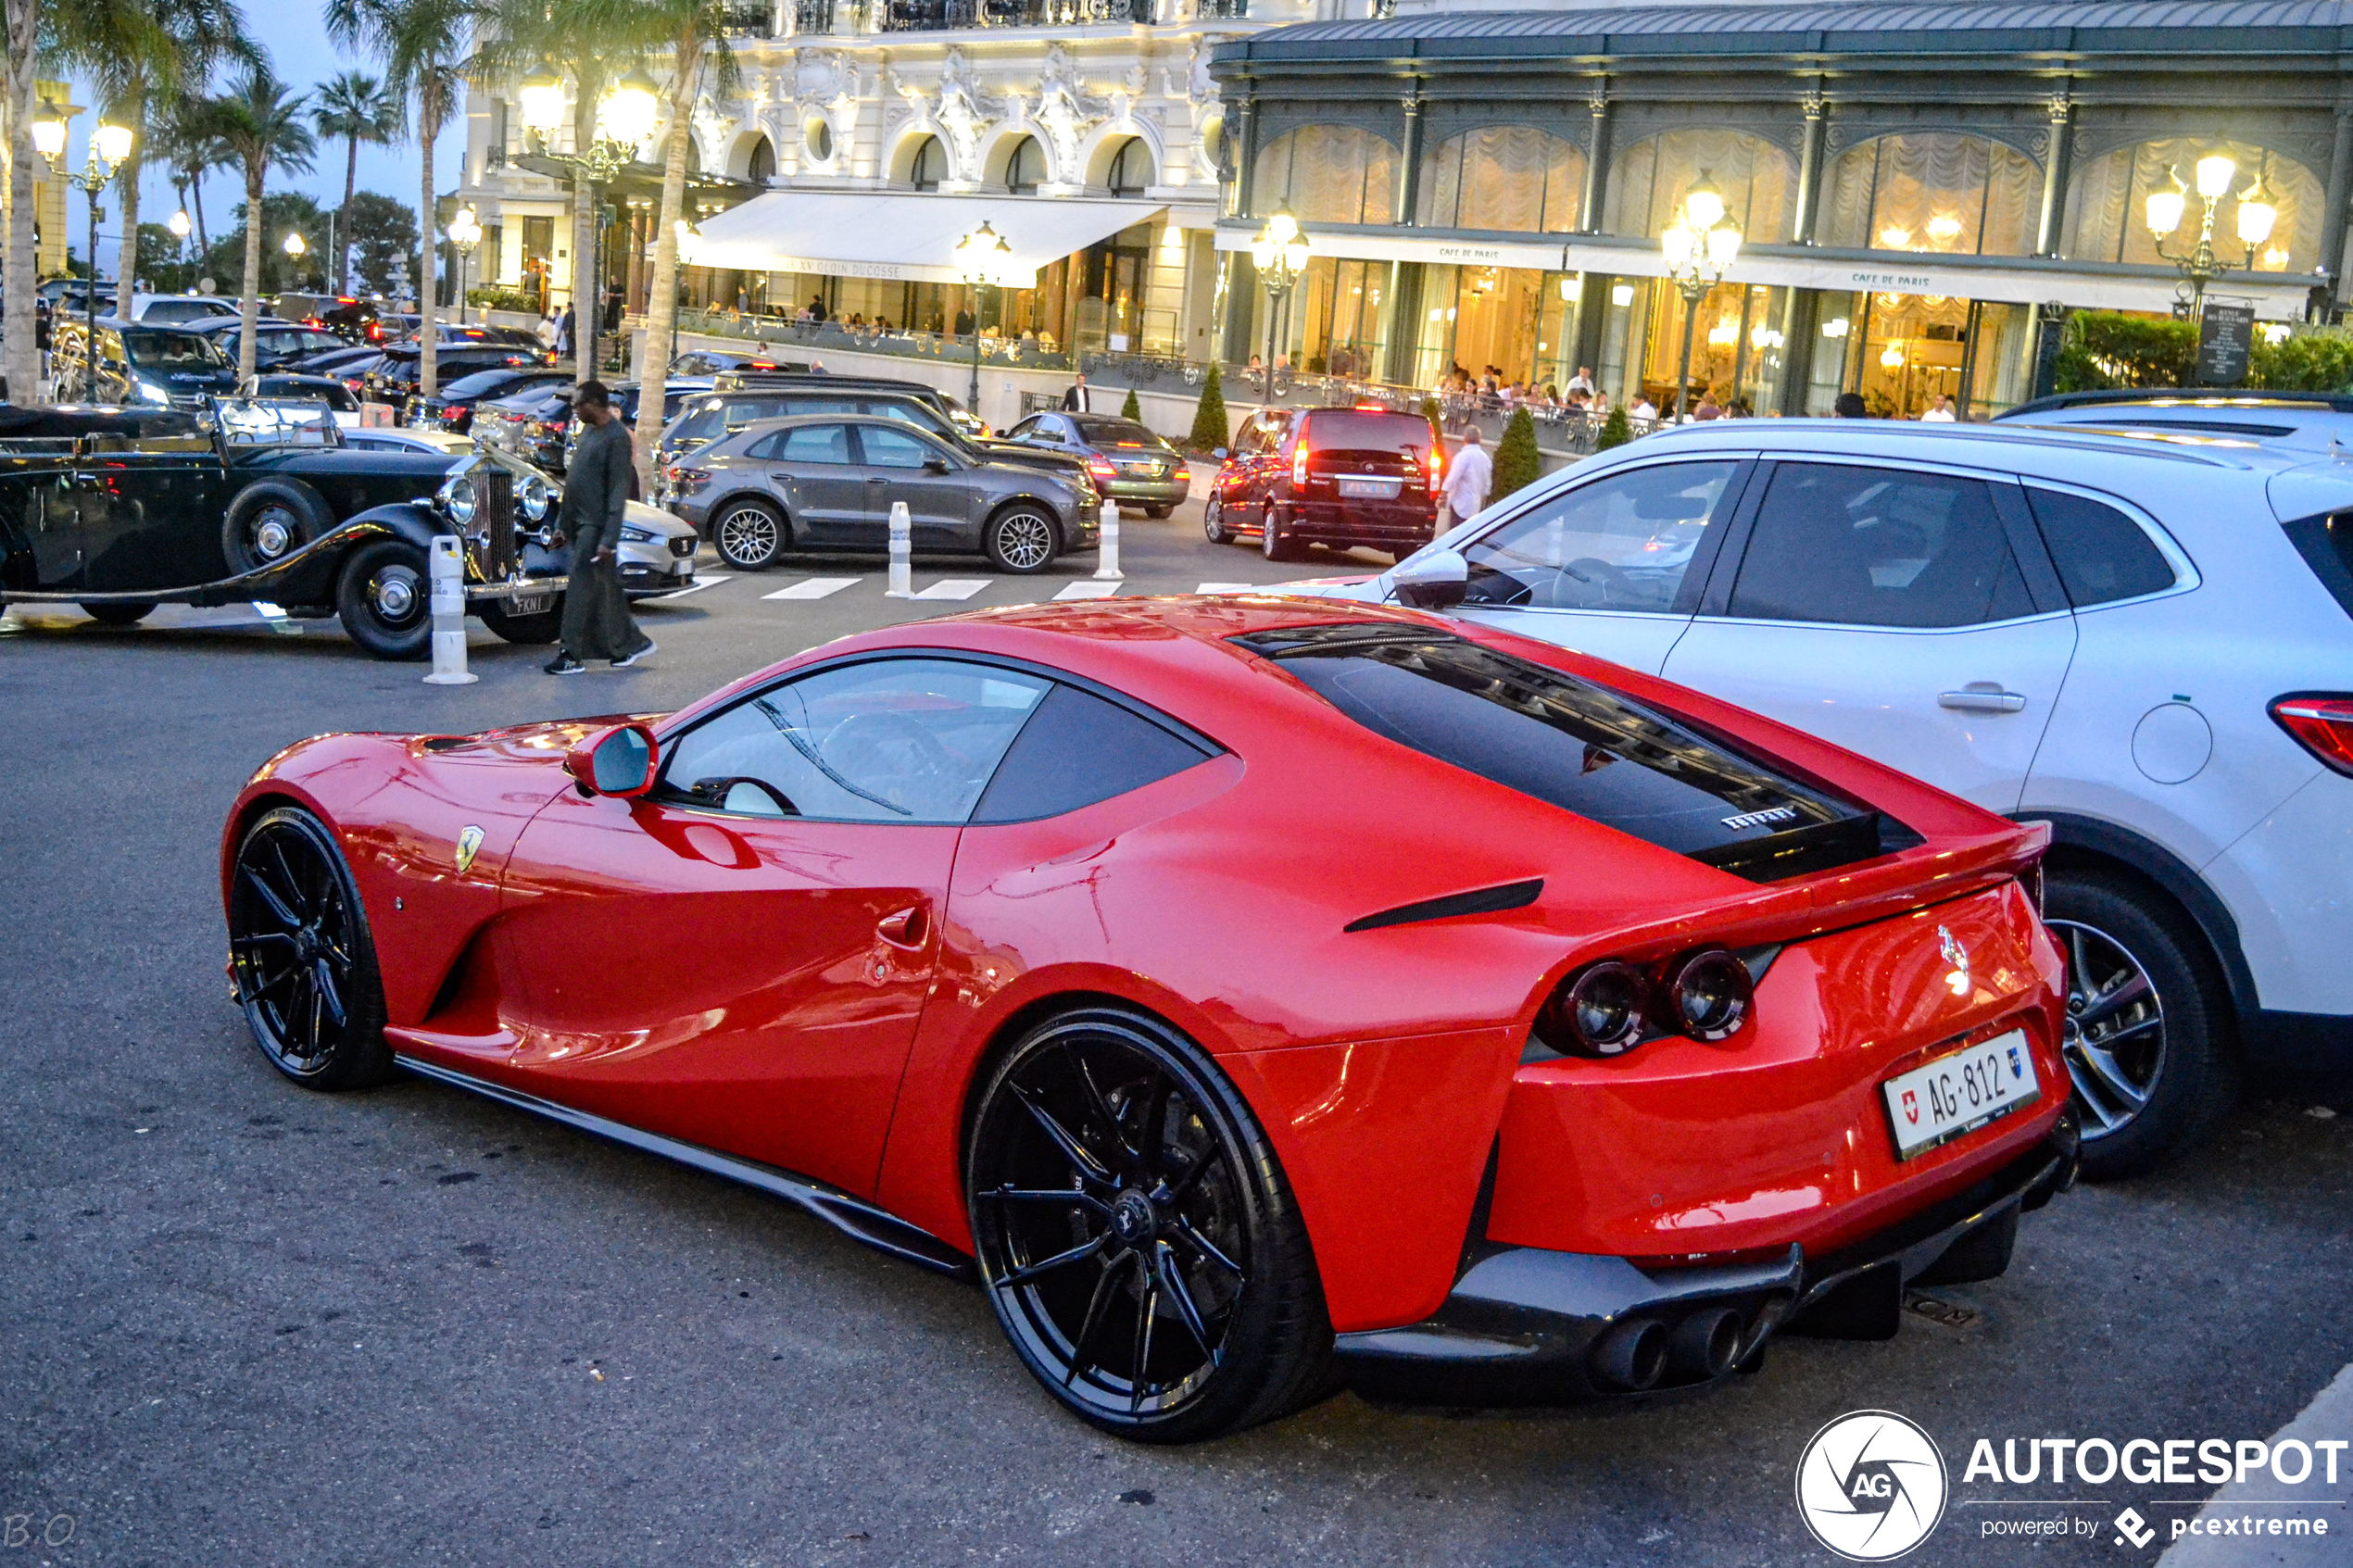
point(526, 604)
point(1369, 489)
point(1960, 1092)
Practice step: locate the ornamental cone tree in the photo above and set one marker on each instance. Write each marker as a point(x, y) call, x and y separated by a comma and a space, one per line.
point(1517, 466)
point(1616, 430)
point(1211, 425)
point(1131, 409)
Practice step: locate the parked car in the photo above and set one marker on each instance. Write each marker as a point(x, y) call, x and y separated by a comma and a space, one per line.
point(712, 361)
point(1659, 1028)
point(949, 408)
point(1128, 462)
point(394, 377)
point(532, 425)
point(1337, 477)
point(120, 511)
point(163, 367)
point(625, 399)
point(2146, 639)
point(2308, 419)
point(453, 406)
point(349, 317)
point(179, 309)
point(277, 345)
point(826, 482)
point(319, 389)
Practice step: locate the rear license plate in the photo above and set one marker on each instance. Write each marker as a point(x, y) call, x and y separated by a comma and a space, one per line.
point(526, 604)
point(1960, 1092)
point(1368, 489)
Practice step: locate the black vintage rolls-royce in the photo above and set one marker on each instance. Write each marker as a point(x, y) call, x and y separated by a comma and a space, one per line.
point(122, 510)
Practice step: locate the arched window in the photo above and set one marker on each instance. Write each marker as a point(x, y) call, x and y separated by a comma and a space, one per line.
point(763, 162)
point(1648, 180)
point(1512, 177)
point(1026, 166)
point(2106, 210)
point(930, 165)
point(1328, 174)
point(1131, 168)
point(1937, 191)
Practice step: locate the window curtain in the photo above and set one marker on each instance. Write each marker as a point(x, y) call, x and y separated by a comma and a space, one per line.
point(1507, 176)
point(1648, 181)
point(1328, 174)
point(1936, 192)
point(2106, 209)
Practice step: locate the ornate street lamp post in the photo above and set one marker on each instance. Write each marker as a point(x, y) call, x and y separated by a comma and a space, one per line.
point(625, 119)
point(294, 248)
point(981, 257)
point(1699, 248)
point(1280, 253)
point(110, 144)
point(2200, 266)
point(465, 233)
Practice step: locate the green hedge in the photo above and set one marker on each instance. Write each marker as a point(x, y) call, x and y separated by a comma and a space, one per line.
point(1211, 425)
point(1517, 466)
point(2104, 348)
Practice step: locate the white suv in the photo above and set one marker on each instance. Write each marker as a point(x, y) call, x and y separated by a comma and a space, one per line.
point(2144, 639)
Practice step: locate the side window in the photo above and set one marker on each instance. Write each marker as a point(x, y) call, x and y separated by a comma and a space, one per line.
point(1619, 543)
point(805, 444)
point(2102, 555)
point(913, 414)
point(1023, 431)
point(888, 448)
point(701, 425)
point(894, 740)
point(1079, 749)
point(1857, 546)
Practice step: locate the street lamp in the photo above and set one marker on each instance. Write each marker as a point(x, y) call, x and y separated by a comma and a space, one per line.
point(981, 257)
point(294, 247)
point(1280, 253)
point(465, 233)
point(2167, 204)
point(1699, 249)
point(110, 144)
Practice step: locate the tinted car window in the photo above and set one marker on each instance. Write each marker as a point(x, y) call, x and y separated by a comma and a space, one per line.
point(913, 414)
point(1871, 546)
point(888, 448)
point(2326, 544)
point(1076, 749)
point(1099, 431)
point(170, 351)
point(2101, 554)
point(900, 740)
point(1345, 430)
point(479, 382)
point(1619, 543)
point(805, 444)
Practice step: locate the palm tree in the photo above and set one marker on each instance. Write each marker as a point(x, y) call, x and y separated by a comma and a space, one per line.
point(354, 106)
point(424, 45)
point(186, 143)
point(261, 124)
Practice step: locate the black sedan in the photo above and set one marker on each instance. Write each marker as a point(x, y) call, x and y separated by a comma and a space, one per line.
point(533, 425)
point(393, 378)
point(828, 481)
point(1128, 462)
point(340, 400)
point(452, 408)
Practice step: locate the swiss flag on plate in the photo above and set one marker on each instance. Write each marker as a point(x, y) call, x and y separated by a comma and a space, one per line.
point(1911, 1108)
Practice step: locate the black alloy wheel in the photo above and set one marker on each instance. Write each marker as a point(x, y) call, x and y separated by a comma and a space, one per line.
point(1020, 539)
point(301, 958)
point(750, 535)
point(384, 600)
point(1136, 1236)
point(2151, 1071)
point(1213, 519)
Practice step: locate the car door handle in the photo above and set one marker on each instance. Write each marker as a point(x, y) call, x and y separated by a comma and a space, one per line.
point(1982, 696)
point(905, 929)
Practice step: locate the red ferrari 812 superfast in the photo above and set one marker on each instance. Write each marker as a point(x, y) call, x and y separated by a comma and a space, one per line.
point(1252, 994)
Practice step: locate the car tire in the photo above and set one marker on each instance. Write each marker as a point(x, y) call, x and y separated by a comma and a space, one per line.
point(1158, 510)
point(302, 957)
point(1173, 1294)
point(106, 614)
point(2146, 1037)
point(531, 631)
point(1021, 539)
point(750, 534)
point(268, 520)
point(1273, 542)
point(1213, 520)
point(1982, 1254)
point(383, 599)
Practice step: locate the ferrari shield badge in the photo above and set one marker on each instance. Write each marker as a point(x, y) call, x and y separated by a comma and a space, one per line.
point(468, 844)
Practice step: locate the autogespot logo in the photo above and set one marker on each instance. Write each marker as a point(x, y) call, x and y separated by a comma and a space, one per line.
point(1871, 1486)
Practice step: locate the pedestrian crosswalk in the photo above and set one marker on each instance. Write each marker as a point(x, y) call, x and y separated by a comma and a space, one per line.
point(813, 588)
point(1001, 591)
point(1090, 588)
point(953, 588)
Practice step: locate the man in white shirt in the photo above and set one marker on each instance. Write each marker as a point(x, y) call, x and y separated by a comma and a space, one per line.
point(1641, 408)
point(1582, 381)
point(1939, 412)
point(1468, 479)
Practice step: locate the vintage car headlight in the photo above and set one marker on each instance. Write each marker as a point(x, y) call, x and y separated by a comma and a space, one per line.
point(458, 498)
point(637, 535)
point(533, 495)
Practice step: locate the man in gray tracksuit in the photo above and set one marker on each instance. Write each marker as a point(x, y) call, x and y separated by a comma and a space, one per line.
point(597, 620)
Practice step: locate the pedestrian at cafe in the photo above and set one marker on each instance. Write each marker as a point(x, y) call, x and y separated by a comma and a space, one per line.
point(597, 623)
point(1468, 479)
point(546, 333)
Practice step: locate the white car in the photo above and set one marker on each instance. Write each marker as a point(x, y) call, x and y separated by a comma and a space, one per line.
point(179, 310)
point(2145, 638)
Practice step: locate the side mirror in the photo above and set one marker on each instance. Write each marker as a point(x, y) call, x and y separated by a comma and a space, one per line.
point(617, 761)
point(1219, 453)
point(1432, 579)
point(936, 465)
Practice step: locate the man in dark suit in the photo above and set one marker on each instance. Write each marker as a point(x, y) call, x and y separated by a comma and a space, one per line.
point(1075, 400)
point(597, 624)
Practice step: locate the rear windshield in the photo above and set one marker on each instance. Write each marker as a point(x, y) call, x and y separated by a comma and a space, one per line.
point(2326, 545)
point(1348, 429)
point(1582, 748)
point(1098, 431)
point(478, 383)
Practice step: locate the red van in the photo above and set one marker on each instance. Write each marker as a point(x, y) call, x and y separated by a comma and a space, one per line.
point(1338, 477)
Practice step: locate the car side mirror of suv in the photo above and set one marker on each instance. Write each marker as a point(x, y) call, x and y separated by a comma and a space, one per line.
point(618, 761)
point(1219, 453)
point(1431, 580)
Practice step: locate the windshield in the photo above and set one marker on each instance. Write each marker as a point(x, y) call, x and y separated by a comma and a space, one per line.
point(173, 351)
point(334, 394)
point(277, 421)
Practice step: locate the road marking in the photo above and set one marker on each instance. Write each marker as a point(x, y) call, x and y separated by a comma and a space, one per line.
point(279, 620)
point(1225, 587)
point(705, 580)
point(814, 588)
point(954, 588)
point(1089, 588)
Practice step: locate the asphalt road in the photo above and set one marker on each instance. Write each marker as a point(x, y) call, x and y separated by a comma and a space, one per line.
point(245, 1323)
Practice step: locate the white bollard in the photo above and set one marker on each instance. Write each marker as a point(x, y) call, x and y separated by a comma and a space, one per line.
point(903, 546)
point(1107, 562)
point(448, 568)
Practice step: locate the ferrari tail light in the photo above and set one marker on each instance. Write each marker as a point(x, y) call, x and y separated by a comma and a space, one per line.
point(1597, 1011)
point(1710, 996)
point(2322, 725)
point(1605, 1009)
point(1299, 463)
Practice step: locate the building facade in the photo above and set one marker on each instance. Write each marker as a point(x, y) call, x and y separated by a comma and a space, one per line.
point(1921, 188)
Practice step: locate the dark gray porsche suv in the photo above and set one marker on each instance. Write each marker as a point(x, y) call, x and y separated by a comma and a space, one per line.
point(826, 482)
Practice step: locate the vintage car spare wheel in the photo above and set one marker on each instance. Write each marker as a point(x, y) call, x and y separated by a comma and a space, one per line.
point(268, 520)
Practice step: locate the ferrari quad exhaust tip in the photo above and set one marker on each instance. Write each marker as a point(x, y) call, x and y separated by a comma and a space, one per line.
point(1632, 1356)
point(1705, 1344)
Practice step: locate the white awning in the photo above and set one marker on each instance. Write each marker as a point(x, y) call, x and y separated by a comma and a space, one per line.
point(904, 234)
